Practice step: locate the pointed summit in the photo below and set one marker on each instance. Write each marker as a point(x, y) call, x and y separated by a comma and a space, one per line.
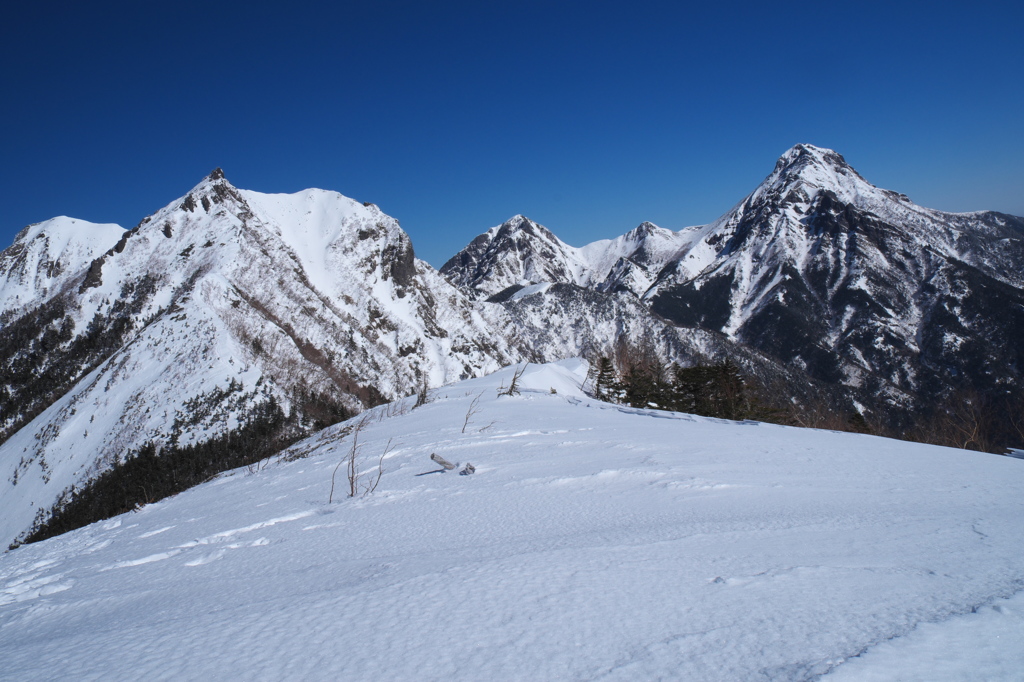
point(213, 189)
point(520, 224)
point(804, 170)
point(805, 154)
point(644, 229)
point(517, 252)
point(810, 162)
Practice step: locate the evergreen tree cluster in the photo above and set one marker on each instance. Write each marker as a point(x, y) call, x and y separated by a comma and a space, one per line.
point(711, 390)
point(41, 358)
point(964, 419)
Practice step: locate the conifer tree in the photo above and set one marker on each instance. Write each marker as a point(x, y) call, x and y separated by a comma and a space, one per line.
point(605, 379)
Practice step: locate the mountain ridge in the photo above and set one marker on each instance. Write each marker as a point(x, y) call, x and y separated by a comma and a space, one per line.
point(212, 307)
point(826, 272)
point(226, 302)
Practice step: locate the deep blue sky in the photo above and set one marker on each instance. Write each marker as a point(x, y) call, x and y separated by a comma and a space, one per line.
point(587, 117)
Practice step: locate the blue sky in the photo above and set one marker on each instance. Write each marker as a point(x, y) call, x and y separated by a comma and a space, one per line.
point(587, 117)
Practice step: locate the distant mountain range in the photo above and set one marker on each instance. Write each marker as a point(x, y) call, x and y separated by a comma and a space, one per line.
point(817, 269)
point(227, 303)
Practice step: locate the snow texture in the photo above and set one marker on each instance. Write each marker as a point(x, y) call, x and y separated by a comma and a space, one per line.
point(594, 542)
point(45, 256)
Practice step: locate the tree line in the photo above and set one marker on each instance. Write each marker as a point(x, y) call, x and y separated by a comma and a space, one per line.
point(961, 419)
point(717, 389)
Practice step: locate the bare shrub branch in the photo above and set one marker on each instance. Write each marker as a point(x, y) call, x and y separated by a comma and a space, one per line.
point(513, 388)
point(352, 473)
point(474, 407)
point(380, 470)
point(422, 393)
point(330, 498)
point(351, 462)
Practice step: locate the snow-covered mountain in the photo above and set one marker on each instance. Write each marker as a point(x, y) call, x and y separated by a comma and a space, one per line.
point(517, 252)
point(45, 256)
point(572, 302)
point(521, 252)
point(222, 302)
point(817, 268)
point(856, 284)
point(594, 541)
point(228, 304)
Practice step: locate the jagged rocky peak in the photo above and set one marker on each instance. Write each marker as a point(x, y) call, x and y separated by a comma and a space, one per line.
point(521, 224)
point(214, 189)
point(644, 230)
point(805, 170)
point(803, 155)
point(856, 284)
point(517, 252)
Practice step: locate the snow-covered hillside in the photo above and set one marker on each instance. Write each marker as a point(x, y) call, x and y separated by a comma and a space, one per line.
point(592, 542)
point(45, 256)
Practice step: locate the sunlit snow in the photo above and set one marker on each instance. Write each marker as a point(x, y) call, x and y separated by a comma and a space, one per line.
point(594, 541)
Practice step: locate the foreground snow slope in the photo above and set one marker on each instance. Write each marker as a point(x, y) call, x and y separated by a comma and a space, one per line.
point(593, 542)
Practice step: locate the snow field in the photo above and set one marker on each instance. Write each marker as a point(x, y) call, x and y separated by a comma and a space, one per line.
point(593, 542)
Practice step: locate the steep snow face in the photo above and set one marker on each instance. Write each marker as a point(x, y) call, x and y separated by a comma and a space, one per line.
point(219, 302)
point(45, 256)
point(593, 541)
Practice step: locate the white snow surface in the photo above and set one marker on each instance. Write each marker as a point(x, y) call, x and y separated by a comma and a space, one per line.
point(594, 542)
point(46, 255)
